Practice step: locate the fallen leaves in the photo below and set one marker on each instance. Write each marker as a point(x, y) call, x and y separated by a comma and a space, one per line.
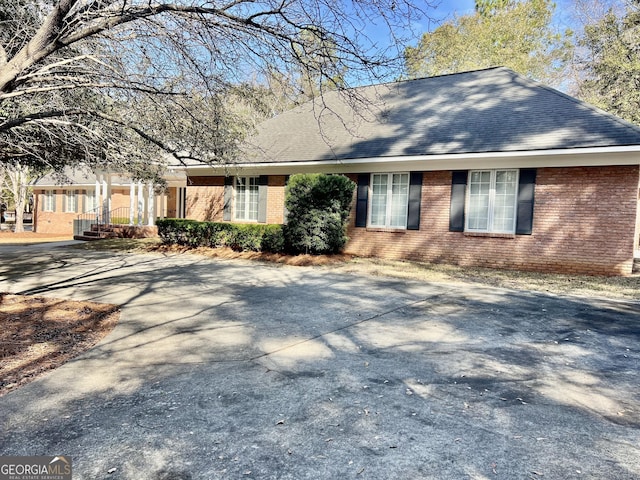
point(39, 334)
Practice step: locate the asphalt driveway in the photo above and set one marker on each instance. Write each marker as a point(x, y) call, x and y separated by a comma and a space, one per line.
point(233, 369)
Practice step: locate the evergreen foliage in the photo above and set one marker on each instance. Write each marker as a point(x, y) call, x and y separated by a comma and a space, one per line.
point(239, 237)
point(318, 208)
point(518, 34)
point(612, 65)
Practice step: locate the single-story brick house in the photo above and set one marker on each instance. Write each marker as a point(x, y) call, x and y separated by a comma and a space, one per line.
point(484, 168)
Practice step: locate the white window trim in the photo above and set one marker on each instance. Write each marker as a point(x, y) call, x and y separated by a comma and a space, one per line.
point(49, 201)
point(91, 201)
point(492, 193)
point(389, 192)
point(235, 199)
point(71, 201)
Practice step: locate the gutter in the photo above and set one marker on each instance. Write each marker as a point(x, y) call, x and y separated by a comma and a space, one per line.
point(583, 157)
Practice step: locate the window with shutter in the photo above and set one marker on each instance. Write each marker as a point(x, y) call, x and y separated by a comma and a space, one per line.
point(246, 198)
point(389, 199)
point(492, 201)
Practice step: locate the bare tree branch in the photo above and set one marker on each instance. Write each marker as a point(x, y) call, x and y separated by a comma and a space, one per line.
point(129, 80)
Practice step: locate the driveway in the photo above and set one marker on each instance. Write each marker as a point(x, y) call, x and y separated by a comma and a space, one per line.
point(233, 369)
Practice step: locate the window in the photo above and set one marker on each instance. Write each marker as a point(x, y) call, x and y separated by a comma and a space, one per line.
point(491, 201)
point(246, 204)
point(389, 200)
point(91, 202)
point(71, 201)
point(49, 204)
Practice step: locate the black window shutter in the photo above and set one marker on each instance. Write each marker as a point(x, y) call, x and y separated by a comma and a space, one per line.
point(456, 209)
point(228, 196)
point(362, 197)
point(526, 189)
point(415, 198)
point(263, 183)
point(53, 202)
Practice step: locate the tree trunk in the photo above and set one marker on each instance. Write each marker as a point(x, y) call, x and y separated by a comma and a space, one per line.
point(20, 203)
point(17, 178)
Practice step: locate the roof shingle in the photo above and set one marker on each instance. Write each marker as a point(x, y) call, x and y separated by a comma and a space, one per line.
point(493, 110)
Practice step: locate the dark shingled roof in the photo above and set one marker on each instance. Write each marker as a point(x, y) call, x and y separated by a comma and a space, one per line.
point(493, 110)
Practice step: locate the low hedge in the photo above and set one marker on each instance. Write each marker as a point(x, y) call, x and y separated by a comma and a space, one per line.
point(240, 237)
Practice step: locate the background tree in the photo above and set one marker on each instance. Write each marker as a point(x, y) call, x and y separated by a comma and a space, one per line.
point(609, 62)
point(15, 180)
point(516, 34)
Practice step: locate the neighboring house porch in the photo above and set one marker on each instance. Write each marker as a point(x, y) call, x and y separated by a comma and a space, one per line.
point(71, 203)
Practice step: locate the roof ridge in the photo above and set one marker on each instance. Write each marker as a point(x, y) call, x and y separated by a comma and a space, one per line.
point(407, 80)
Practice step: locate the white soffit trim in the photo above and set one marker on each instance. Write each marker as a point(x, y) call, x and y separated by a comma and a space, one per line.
point(587, 157)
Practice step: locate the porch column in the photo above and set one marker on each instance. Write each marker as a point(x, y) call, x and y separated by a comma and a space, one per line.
point(132, 202)
point(151, 220)
point(140, 203)
point(106, 202)
point(162, 205)
point(98, 197)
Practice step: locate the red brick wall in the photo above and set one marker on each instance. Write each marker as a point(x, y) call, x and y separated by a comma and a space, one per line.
point(57, 222)
point(275, 199)
point(60, 222)
point(205, 203)
point(172, 202)
point(205, 199)
point(584, 222)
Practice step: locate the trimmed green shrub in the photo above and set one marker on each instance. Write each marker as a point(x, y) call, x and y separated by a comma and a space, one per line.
point(240, 237)
point(318, 208)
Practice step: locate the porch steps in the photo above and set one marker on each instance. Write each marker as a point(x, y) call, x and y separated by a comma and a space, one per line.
point(105, 231)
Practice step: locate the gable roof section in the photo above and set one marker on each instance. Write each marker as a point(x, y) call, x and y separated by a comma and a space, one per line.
point(493, 110)
point(79, 176)
point(83, 176)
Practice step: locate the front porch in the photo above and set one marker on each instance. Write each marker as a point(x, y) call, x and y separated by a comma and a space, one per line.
point(101, 204)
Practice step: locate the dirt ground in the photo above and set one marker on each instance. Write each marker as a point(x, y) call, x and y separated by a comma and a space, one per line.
point(40, 334)
point(31, 237)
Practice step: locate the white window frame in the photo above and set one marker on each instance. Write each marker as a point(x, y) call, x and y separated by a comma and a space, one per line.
point(389, 201)
point(49, 201)
point(71, 201)
point(245, 214)
point(91, 201)
point(492, 202)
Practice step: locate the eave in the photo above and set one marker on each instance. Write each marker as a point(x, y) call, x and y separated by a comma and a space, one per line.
point(584, 157)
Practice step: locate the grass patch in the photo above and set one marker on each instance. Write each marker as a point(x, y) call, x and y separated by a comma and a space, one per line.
point(626, 288)
point(124, 245)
